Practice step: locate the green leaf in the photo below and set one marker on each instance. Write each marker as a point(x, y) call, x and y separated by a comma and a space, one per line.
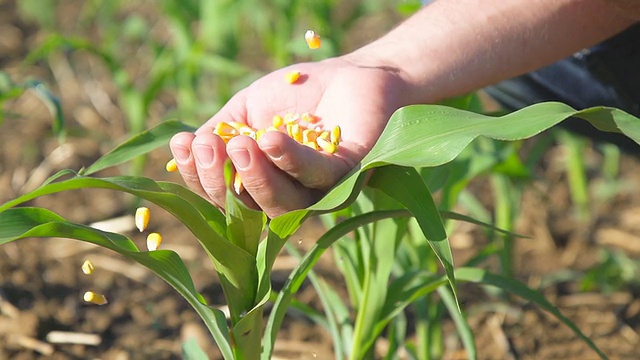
point(431, 135)
point(192, 351)
point(26, 222)
point(516, 287)
point(244, 225)
point(299, 274)
point(407, 187)
point(459, 319)
point(236, 267)
point(138, 145)
point(378, 245)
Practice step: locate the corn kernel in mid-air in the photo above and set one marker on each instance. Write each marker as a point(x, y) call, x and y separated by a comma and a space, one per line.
point(172, 166)
point(326, 145)
point(313, 39)
point(292, 76)
point(94, 298)
point(142, 218)
point(153, 241)
point(87, 267)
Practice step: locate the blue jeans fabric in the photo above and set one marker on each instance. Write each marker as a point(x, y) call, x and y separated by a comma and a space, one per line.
point(606, 74)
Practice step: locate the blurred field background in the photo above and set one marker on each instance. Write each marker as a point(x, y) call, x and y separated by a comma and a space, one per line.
point(78, 77)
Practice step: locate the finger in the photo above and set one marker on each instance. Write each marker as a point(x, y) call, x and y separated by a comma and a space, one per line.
point(273, 190)
point(312, 168)
point(180, 146)
point(209, 155)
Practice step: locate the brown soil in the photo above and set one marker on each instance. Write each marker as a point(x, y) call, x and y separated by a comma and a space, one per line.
point(41, 286)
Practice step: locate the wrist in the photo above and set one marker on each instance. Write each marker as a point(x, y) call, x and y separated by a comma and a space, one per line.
point(406, 89)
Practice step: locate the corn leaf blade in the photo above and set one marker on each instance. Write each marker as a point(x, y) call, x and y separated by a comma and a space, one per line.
point(26, 222)
point(138, 145)
point(235, 266)
point(516, 287)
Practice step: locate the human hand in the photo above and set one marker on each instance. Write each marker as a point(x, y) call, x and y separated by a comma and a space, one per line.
point(278, 173)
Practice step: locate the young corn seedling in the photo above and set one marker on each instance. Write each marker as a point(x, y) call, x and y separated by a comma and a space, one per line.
point(243, 258)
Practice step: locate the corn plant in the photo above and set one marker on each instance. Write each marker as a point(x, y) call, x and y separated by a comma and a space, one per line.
point(392, 216)
point(11, 90)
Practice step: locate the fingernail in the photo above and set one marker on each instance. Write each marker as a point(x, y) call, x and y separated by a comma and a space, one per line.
point(274, 152)
point(181, 154)
point(240, 158)
point(204, 155)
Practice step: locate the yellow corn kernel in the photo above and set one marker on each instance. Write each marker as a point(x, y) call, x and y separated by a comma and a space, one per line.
point(153, 241)
point(224, 129)
point(94, 298)
point(292, 76)
point(311, 144)
point(172, 166)
point(248, 131)
point(309, 118)
point(277, 121)
point(296, 132)
point(226, 138)
point(291, 118)
point(259, 133)
point(87, 267)
point(313, 39)
point(324, 135)
point(326, 145)
point(243, 129)
point(238, 187)
point(309, 135)
point(142, 218)
point(336, 133)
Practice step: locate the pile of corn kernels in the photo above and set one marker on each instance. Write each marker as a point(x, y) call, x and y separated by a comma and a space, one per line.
point(303, 128)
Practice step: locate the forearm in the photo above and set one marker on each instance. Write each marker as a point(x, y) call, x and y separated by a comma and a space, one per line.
point(452, 47)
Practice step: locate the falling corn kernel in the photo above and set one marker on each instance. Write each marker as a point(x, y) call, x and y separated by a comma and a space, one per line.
point(94, 298)
point(238, 187)
point(153, 241)
point(292, 76)
point(87, 267)
point(313, 39)
point(142, 218)
point(336, 133)
point(172, 165)
point(326, 145)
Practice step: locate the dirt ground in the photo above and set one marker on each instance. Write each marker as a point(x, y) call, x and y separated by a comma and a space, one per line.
point(41, 286)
